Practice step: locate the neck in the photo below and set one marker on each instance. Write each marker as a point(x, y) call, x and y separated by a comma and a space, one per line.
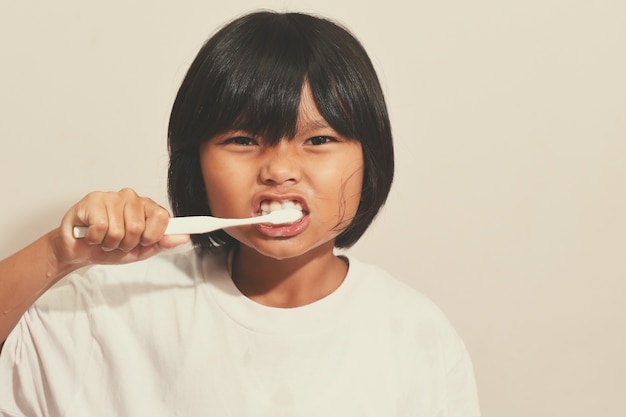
point(289, 282)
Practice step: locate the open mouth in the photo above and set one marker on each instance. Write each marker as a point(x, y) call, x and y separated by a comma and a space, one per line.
point(268, 206)
point(286, 230)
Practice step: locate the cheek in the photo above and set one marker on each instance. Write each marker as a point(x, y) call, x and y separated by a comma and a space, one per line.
point(352, 179)
point(220, 186)
point(340, 189)
point(354, 182)
point(353, 185)
point(213, 190)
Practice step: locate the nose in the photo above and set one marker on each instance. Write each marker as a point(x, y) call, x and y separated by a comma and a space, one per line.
point(280, 165)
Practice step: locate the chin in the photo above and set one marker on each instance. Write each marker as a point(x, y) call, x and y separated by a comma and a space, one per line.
point(280, 254)
point(283, 249)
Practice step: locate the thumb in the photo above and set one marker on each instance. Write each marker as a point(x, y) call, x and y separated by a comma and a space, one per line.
point(171, 241)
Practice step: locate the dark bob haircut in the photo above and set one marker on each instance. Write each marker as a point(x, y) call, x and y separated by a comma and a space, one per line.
point(249, 76)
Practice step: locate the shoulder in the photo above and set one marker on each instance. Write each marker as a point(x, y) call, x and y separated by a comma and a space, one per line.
point(391, 291)
point(401, 309)
point(175, 263)
point(419, 333)
point(103, 294)
point(97, 283)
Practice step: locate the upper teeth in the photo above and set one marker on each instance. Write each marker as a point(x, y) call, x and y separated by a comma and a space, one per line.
point(270, 206)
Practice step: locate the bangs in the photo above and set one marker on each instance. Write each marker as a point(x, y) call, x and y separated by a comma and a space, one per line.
point(262, 88)
point(252, 83)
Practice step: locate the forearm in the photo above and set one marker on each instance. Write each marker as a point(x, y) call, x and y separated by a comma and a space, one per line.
point(24, 276)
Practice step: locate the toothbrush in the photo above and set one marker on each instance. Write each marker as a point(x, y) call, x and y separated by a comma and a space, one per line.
point(205, 224)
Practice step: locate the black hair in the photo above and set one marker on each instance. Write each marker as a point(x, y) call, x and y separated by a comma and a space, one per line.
point(249, 76)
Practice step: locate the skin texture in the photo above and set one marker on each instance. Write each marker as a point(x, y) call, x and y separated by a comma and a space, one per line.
point(322, 170)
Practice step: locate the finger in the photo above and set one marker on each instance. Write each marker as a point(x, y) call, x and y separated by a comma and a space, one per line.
point(91, 212)
point(171, 241)
point(116, 257)
point(115, 231)
point(134, 223)
point(156, 218)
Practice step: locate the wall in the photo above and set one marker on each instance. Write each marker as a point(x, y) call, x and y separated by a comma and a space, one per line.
point(509, 204)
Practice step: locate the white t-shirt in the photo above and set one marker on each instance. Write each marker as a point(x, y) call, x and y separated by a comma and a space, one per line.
point(173, 336)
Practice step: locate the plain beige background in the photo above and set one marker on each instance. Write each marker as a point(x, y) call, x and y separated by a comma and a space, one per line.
point(509, 208)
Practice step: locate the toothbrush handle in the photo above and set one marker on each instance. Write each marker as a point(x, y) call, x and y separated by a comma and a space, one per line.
point(185, 225)
point(203, 224)
point(79, 232)
point(193, 224)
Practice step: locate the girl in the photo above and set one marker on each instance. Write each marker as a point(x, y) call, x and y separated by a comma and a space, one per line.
point(277, 110)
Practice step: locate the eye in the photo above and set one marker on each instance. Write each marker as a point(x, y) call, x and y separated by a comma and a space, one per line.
point(240, 140)
point(319, 140)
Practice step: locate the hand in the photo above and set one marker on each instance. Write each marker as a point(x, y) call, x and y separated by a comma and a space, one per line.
point(123, 227)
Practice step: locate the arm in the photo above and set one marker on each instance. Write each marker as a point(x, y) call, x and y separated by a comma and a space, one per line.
point(26, 275)
point(123, 227)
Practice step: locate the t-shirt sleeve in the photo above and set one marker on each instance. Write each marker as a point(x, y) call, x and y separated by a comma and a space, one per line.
point(50, 342)
point(462, 395)
point(20, 390)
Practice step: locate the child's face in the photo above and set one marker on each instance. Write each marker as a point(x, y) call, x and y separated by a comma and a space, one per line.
point(318, 170)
